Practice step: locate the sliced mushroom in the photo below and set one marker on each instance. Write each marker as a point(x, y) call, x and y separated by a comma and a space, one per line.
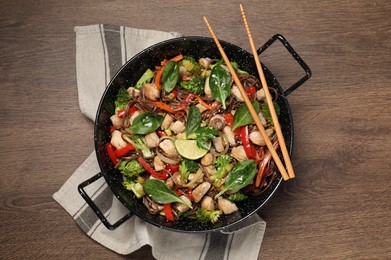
point(167, 122)
point(238, 153)
point(178, 127)
point(230, 136)
point(182, 207)
point(218, 144)
point(226, 206)
point(208, 203)
point(116, 140)
point(170, 182)
point(152, 140)
point(150, 91)
point(168, 147)
point(217, 121)
point(208, 159)
point(201, 190)
point(207, 90)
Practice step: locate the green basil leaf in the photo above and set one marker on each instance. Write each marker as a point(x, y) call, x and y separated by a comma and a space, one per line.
point(193, 120)
point(204, 135)
point(170, 76)
point(161, 193)
point(241, 175)
point(146, 123)
point(220, 82)
point(243, 117)
point(203, 143)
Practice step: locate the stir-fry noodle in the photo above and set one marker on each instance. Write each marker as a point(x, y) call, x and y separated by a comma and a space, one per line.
point(185, 142)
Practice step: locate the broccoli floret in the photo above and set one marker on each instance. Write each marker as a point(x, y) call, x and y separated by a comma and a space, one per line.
point(131, 168)
point(145, 78)
point(141, 145)
point(191, 65)
point(186, 167)
point(135, 187)
point(204, 216)
point(238, 196)
point(223, 166)
point(194, 85)
point(122, 99)
point(266, 111)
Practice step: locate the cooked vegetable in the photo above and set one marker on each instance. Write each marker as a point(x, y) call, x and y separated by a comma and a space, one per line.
point(146, 123)
point(266, 111)
point(194, 85)
point(191, 65)
point(223, 166)
point(145, 78)
point(205, 216)
point(193, 120)
point(220, 84)
point(122, 99)
point(187, 167)
point(170, 76)
point(243, 117)
point(135, 187)
point(131, 168)
point(141, 145)
point(238, 196)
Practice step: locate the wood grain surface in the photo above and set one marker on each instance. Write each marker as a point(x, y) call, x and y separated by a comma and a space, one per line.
point(338, 207)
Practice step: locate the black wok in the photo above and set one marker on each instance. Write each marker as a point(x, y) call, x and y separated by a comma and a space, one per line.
point(129, 74)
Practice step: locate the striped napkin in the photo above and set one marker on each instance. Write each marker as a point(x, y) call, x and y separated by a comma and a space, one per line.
point(100, 51)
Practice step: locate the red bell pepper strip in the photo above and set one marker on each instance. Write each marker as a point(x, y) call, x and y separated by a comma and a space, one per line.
point(249, 148)
point(189, 193)
point(228, 118)
point(161, 133)
point(121, 113)
point(173, 168)
point(158, 175)
point(189, 97)
point(111, 153)
point(132, 110)
point(263, 164)
point(168, 212)
point(124, 150)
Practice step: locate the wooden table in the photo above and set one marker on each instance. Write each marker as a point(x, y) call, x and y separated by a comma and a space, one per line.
point(338, 207)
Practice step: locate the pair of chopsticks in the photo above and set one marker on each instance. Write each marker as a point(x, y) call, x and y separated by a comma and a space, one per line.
point(286, 174)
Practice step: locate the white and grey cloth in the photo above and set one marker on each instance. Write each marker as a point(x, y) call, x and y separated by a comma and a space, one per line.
point(100, 51)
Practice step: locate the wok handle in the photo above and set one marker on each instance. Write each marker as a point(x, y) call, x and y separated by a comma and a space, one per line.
point(97, 211)
point(307, 70)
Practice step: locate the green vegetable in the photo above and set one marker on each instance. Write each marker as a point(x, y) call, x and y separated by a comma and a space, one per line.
point(145, 78)
point(266, 112)
point(236, 68)
point(241, 175)
point(204, 135)
point(220, 82)
point(131, 168)
point(194, 85)
point(170, 76)
point(161, 193)
point(243, 117)
point(122, 99)
point(223, 166)
point(193, 120)
point(146, 123)
point(205, 216)
point(191, 64)
point(186, 167)
point(135, 187)
point(139, 142)
point(238, 196)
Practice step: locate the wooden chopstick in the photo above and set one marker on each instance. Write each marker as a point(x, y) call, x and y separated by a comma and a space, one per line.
point(269, 99)
point(253, 113)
